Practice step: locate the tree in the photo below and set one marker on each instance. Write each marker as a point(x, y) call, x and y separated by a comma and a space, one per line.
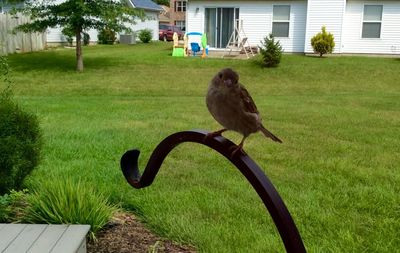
point(162, 2)
point(79, 15)
point(323, 42)
point(271, 51)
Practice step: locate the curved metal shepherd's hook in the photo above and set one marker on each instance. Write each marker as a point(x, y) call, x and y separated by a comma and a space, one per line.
point(263, 186)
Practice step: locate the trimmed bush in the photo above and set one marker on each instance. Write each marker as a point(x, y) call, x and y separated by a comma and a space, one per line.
point(64, 201)
point(145, 35)
point(106, 36)
point(323, 42)
point(20, 137)
point(20, 144)
point(271, 51)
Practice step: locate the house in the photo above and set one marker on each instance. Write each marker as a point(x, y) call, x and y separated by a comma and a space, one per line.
point(164, 17)
point(7, 7)
point(151, 10)
point(178, 13)
point(358, 26)
point(175, 14)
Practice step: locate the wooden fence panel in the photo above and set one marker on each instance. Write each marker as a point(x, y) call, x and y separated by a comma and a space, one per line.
point(18, 42)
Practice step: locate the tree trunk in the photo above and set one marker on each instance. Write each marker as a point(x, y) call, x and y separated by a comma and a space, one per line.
point(79, 57)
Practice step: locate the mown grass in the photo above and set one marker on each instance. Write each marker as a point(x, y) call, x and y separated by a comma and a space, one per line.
point(337, 170)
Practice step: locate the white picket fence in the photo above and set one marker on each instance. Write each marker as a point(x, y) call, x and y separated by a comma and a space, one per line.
point(18, 42)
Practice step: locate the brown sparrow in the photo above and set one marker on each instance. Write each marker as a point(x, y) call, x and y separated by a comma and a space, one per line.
point(232, 106)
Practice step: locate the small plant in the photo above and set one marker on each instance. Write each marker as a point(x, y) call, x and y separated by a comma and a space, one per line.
point(145, 35)
point(323, 42)
point(12, 206)
point(106, 36)
point(68, 202)
point(271, 51)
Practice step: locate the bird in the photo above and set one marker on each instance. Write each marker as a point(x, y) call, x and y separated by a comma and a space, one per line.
point(231, 105)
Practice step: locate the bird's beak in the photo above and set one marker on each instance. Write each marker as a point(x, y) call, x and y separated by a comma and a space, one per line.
point(228, 83)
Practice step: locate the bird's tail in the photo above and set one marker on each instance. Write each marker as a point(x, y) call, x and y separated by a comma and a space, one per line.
point(269, 134)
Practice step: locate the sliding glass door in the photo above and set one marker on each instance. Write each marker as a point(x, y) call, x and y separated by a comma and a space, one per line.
point(219, 25)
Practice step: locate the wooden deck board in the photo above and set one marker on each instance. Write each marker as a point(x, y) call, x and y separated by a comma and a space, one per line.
point(25, 239)
point(48, 239)
point(9, 233)
point(43, 238)
point(72, 239)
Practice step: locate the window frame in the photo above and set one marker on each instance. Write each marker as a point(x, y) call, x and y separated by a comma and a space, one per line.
point(281, 20)
point(380, 22)
point(180, 6)
point(180, 24)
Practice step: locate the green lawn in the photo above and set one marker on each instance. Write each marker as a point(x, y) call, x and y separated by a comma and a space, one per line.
point(337, 170)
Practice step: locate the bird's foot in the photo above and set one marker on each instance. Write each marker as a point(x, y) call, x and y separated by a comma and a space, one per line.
point(237, 150)
point(214, 134)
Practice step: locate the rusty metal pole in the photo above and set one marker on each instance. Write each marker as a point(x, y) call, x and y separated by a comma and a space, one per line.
point(253, 173)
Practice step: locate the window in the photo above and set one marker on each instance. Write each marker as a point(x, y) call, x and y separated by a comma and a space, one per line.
point(281, 20)
point(180, 6)
point(181, 24)
point(372, 21)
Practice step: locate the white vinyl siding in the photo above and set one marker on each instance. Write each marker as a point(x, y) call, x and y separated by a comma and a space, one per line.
point(257, 19)
point(328, 13)
point(389, 41)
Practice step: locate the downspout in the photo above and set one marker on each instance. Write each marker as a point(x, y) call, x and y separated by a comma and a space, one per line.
point(306, 40)
point(342, 28)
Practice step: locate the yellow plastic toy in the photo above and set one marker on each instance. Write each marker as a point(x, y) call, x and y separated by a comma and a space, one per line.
point(179, 50)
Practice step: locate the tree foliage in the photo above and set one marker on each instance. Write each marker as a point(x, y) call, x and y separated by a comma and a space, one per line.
point(5, 80)
point(271, 51)
point(80, 15)
point(323, 42)
point(162, 2)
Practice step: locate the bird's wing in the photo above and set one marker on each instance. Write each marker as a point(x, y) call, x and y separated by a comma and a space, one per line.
point(248, 102)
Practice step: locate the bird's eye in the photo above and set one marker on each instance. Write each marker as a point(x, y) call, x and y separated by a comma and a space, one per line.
point(220, 75)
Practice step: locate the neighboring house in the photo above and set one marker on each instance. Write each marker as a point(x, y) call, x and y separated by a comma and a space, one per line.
point(178, 13)
point(6, 7)
point(175, 14)
point(358, 26)
point(151, 10)
point(164, 17)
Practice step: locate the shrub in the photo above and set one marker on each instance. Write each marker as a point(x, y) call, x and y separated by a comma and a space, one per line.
point(271, 51)
point(323, 42)
point(12, 206)
point(86, 38)
point(20, 138)
point(20, 144)
point(68, 202)
point(106, 36)
point(145, 35)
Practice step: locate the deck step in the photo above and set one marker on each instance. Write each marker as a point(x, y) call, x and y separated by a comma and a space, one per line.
point(42, 238)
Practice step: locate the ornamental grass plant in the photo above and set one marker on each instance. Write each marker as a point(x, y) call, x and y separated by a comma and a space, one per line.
point(68, 202)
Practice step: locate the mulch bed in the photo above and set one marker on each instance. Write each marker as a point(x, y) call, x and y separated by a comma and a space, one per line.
point(125, 234)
